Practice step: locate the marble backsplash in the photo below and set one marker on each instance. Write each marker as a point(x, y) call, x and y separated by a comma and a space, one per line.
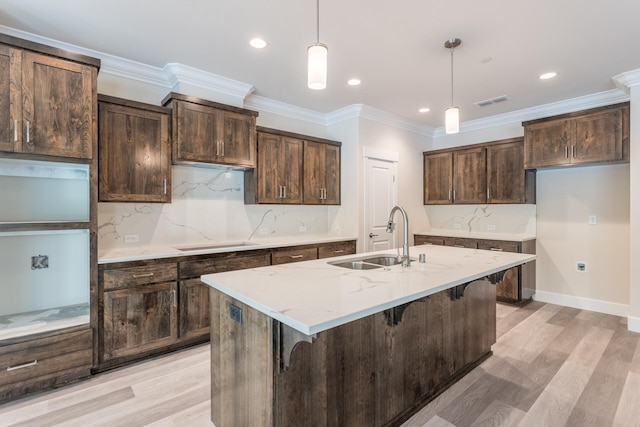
point(207, 206)
point(506, 219)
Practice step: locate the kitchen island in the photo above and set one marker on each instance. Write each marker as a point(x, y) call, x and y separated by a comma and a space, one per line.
point(320, 344)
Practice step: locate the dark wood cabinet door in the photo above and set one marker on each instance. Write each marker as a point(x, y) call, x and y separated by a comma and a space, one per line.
point(194, 309)
point(139, 319)
point(505, 173)
point(508, 289)
point(470, 176)
point(419, 239)
point(58, 102)
point(598, 137)
point(321, 180)
point(547, 144)
point(438, 178)
point(135, 154)
point(10, 99)
point(279, 168)
point(194, 135)
point(237, 141)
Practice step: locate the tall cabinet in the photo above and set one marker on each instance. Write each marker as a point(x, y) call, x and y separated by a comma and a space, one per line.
point(48, 243)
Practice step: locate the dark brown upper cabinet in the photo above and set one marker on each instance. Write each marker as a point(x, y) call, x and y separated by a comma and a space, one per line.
point(321, 173)
point(598, 135)
point(135, 151)
point(485, 173)
point(294, 169)
point(47, 103)
point(209, 132)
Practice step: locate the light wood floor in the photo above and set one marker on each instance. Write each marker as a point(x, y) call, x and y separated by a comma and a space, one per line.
point(552, 366)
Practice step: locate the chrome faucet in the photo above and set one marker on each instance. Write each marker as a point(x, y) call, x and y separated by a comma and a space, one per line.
point(406, 261)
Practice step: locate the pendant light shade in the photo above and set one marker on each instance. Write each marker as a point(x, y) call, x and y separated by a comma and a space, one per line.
point(317, 66)
point(317, 55)
point(452, 115)
point(452, 120)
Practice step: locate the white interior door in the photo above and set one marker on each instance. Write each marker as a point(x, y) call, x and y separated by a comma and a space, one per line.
point(380, 197)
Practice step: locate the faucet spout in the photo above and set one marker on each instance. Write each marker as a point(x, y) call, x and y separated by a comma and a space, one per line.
point(406, 261)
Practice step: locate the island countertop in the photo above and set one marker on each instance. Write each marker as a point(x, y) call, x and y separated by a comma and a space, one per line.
point(313, 296)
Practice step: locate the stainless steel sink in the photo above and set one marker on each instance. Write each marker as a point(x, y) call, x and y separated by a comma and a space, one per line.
point(355, 265)
point(368, 262)
point(215, 246)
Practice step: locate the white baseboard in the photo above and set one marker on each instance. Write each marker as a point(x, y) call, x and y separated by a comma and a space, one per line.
point(606, 307)
point(634, 324)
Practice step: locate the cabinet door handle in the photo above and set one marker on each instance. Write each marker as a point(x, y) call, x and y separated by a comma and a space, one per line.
point(24, 365)
point(566, 151)
point(285, 192)
point(325, 194)
point(164, 186)
point(573, 151)
point(222, 146)
point(496, 249)
point(138, 276)
point(15, 131)
point(458, 246)
point(28, 130)
point(449, 196)
point(217, 148)
point(488, 194)
point(454, 195)
point(174, 297)
point(296, 256)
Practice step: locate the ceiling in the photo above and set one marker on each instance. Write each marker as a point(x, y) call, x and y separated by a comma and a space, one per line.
point(396, 48)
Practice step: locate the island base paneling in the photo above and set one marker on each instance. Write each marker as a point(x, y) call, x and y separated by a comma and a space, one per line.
point(374, 371)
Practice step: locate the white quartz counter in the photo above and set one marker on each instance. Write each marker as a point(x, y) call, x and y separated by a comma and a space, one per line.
point(314, 296)
point(478, 235)
point(202, 248)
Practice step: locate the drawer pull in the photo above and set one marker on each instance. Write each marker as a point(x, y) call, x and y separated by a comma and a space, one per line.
point(458, 246)
point(296, 256)
point(338, 251)
point(496, 249)
point(24, 365)
point(15, 131)
point(138, 276)
point(28, 129)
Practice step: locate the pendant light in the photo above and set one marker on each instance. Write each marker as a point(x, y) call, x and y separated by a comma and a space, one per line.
point(452, 115)
point(317, 59)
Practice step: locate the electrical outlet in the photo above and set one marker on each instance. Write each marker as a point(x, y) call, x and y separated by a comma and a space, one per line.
point(456, 226)
point(39, 262)
point(593, 219)
point(581, 267)
point(236, 313)
point(131, 238)
point(491, 227)
point(303, 229)
point(264, 230)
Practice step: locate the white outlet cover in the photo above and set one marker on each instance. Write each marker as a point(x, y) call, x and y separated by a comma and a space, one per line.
point(131, 238)
point(264, 231)
point(491, 227)
point(303, 228)
point(593, 219)
point(456, 226)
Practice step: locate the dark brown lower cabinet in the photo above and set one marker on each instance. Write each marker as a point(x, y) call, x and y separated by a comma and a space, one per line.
point(194, 309)
point(518, 284)
point(31, 364)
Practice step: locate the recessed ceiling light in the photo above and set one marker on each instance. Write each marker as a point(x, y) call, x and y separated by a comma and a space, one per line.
point(547, 76)
point(354, 82)
point(424, 110)
point(258, 43)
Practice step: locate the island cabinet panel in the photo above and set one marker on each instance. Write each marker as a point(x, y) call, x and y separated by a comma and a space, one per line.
point(135, 151)
point(54, 359)
point(598, 135)
point(374, 371)
point(209, 132)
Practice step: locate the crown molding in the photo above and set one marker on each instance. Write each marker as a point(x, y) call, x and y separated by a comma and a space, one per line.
point(268, 105)
point(178, 74)
point(627, 79)
point(599, 99)
point(370, 113)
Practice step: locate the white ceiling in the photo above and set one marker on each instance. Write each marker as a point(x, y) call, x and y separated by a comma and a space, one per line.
point(395, 47)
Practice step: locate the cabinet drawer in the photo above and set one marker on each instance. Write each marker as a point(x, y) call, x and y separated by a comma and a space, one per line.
point(226, 262)
point(45, 358)
point(294, 254)
point(461, 242)
point(499, 245)
point(329, 250)
point(133, 276)
point(427, 240)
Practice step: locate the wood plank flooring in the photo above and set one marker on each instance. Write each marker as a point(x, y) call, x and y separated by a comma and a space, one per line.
point(552, 366)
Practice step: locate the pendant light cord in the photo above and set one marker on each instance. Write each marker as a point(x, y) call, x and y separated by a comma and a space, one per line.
point(318, 21)
point(452, 77)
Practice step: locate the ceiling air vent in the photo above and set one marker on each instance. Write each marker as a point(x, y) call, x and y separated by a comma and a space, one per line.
point(491, 101)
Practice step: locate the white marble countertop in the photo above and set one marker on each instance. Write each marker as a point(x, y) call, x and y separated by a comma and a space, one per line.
point(209, 247)
point(313, 296)
point(488, 235)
